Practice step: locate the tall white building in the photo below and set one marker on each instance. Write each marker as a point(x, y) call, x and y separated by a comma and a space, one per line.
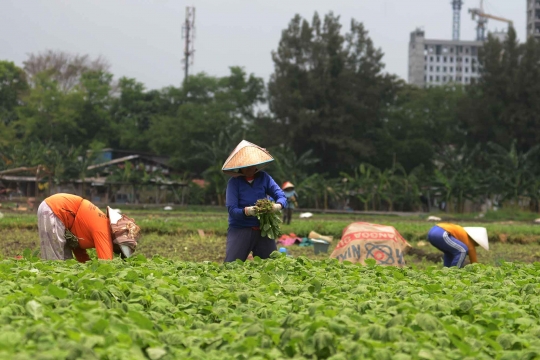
point(533, 18)
point(439, 62)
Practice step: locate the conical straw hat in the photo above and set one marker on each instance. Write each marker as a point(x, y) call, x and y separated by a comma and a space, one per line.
point(244, 155)
point(287, 184)
point(479, 235)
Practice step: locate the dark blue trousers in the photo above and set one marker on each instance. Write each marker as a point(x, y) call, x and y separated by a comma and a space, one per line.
point(242, 241)
point(454, 250)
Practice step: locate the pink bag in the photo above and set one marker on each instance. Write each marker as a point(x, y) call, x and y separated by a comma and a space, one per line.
point(290, 239)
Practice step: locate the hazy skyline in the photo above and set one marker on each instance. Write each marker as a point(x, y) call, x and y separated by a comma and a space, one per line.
point(142, 38)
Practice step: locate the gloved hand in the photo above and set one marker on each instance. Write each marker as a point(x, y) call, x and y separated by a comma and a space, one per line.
point(276, 207)
point(250, 211)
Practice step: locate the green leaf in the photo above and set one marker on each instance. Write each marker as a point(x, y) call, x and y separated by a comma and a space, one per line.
point(506, 340)
point(27, 254)
point(465, 305)
point(140, 320)
point(427, 322)
point(370, 262)
point(57, 292)
point(35, 309)
point(461, 345)
point(100, 326)
point(156, 353)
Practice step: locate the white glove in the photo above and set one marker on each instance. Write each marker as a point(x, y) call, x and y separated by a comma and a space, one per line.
point(249, 211)
point(276, 207)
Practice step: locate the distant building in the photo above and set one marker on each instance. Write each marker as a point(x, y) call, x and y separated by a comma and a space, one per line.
point(533, 18)
point(106, 181)
point(500, 35)
point(439, 62)
point(115, 156)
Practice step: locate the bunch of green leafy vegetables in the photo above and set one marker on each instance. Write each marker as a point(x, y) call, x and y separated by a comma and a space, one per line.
point(266, 309)
point(270, 220)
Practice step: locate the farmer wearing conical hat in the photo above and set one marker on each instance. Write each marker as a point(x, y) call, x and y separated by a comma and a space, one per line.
point(69, 224)
point(457, 242)
point(247, 185)
point(292, 201)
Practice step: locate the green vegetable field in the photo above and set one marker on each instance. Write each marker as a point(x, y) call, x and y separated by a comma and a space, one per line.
point(275, 309)
point(174, 235)
point(177, 300)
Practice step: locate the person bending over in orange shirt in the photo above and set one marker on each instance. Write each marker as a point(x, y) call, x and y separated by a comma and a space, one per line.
point(69, 224)
point(457, 242)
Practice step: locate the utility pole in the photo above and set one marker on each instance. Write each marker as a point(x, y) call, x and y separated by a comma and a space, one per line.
point(456, 5)
point(188, 34)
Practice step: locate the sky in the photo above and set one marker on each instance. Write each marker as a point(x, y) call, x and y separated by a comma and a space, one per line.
point(142, 39)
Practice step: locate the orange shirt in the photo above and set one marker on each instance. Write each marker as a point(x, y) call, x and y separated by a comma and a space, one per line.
point(459, 233)
point(87, 222)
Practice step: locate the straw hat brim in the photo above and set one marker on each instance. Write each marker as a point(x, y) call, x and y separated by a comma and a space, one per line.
point(259, 165)
point(287, 185)
point(479, 235)
point(245, 155)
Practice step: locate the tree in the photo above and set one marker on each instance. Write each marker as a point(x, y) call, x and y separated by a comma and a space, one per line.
point(383, 189)
point(58, 161)
point(205, 106)
point(75, 118)
point(362, 183)
point(503, 105)
point(91, 102)
point(85, 158)
point(22, 155)
point(48, 114)
point(290, 167)
point(64, 68)
point(214, 155)
point(13, 86)
point(419, 122)
point(131, 114)
point(328, 90)
point(405, 193)
point(513, 173)
point(319, 190)
point(458, 177)
point(8, 135)
point(134, 175)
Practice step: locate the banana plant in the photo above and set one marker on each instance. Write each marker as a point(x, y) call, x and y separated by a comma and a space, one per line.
point(320, 189)
point(406, 186)
point(361, 184)
point(458, 177)
point(383, 190)
point(214, 154)
point(514, 174)
point(291, 167)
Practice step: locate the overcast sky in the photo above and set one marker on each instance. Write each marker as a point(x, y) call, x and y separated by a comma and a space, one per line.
point(142, 38)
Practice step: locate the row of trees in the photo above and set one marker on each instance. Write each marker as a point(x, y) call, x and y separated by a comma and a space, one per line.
point(328, 108)
point(498, 175)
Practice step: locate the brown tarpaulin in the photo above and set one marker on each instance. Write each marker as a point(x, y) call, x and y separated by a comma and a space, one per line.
point(361, 241)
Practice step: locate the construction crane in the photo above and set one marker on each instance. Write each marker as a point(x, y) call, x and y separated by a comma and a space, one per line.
point(456, 24)
point(483, 19)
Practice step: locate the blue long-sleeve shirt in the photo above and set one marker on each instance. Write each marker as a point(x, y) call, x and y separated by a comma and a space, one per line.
point(240, 193)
